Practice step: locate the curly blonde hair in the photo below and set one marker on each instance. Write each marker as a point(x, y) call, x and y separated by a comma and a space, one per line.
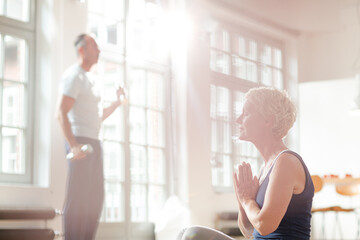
point(271, 101)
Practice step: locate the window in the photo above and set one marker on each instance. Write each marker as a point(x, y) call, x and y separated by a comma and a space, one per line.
point(17, 35)
point(135, 136)
point(239, 60)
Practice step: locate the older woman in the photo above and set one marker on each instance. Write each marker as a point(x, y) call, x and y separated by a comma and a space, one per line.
point(277, 204)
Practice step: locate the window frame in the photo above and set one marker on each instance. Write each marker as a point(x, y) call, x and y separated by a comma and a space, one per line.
point(25, 31)
point(233, 83)
point(132, 61)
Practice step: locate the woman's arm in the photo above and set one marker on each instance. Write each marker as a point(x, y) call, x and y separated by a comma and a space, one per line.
point(244, 224)
point(287, 174)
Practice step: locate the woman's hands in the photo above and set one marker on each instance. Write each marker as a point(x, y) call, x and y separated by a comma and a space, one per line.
point(246, 185)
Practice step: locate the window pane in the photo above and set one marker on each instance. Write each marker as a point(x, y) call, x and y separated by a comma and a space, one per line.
point(155, 125)
point(2, 7)
point(15, 52)
point(138, 203)
point(278, 79)
point(113, 160)
point(114, 202)
point(17, 9)
point(223, 134)
point(155, 89)
point(220, 62)
point(220, 40)
point(239, 67)
point(96, 6)
point(266, 55)
point(156, 201)
point(115, 33)
point(12, 151)
point(114, 9)
point(112, 76)
point(113, 126)
point(221, 170)
point(223, 103)
point(137, 9)
point(137, 125)
point(156, 166)
point(266, 76)
point(251, 71)
point(237, 110)
point(137, 88)
point(13, 105)
point(94, 26)
point(238, 104)
point(213, 101)
point(277, 61)
point(138, 164)
point(214, 139)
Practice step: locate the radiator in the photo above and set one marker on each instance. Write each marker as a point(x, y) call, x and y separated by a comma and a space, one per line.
point(10, 214)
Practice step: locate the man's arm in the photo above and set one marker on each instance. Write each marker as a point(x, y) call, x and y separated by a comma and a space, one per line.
point(109, 110)
point(66, 103)
point(114, 105)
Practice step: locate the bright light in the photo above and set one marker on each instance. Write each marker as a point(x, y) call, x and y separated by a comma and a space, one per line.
point(176, 29)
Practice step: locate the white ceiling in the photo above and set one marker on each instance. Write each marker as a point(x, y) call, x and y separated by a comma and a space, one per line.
point(302, 15)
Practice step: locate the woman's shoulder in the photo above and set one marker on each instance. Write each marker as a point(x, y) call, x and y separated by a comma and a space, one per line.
point(289, 160)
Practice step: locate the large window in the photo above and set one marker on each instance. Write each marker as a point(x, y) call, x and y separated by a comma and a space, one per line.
point(16, 89)
point(239, 60)
point(134, 137)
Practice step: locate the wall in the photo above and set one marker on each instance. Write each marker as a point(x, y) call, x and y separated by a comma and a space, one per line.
point(329, 142)
point(329, 55)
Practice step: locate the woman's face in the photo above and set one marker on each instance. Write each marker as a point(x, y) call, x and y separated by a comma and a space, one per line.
point(252, 124)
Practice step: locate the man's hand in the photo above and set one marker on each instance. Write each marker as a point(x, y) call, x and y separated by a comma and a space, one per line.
point(77, 152)
point(120, 93)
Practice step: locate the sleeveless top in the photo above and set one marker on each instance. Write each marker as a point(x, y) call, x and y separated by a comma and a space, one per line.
point(295, 224)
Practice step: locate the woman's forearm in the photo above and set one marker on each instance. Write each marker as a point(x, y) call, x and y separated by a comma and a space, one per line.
point(244, 224)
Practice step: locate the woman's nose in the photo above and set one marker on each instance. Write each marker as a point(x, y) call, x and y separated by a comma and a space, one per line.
point(238, 120)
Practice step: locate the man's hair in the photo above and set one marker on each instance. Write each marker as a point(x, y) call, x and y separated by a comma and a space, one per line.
point(80, 42)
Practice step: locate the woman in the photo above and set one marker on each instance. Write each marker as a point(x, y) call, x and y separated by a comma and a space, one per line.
point(277, 205)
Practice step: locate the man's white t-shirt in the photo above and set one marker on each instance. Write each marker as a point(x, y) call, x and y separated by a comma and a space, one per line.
point(85, 115)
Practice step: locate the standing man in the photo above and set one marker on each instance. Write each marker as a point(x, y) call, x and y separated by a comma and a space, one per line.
point(80, 116)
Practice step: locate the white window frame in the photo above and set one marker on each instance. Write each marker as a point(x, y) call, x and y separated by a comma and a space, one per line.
point(25, 31)
point(230, 81)
point(128, 229)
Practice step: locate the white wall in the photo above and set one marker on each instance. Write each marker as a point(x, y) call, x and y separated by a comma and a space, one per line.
point(330, 132)
point(329, 142)
point(329, 55)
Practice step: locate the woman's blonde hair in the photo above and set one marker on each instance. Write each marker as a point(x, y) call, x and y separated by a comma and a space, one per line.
point(271, 101)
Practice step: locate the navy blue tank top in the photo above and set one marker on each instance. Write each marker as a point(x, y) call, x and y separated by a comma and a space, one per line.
point(295, 224)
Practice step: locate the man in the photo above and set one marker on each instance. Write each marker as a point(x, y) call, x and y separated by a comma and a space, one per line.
point(80, 116)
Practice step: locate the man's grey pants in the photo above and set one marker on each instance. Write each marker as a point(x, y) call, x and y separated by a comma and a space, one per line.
point(84, 193)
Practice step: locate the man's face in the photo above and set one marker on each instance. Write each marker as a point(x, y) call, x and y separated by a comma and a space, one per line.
point(91, 51)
